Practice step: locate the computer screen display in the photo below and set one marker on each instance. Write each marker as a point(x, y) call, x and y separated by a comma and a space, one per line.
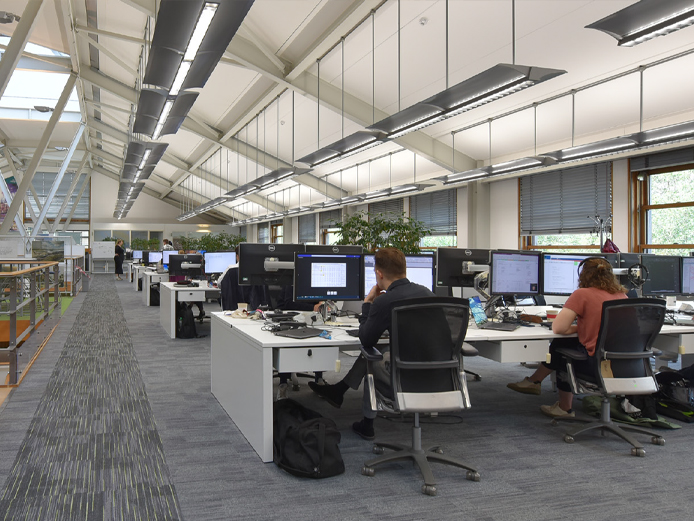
point(166, 254)
point(450, 263)
point(252, 263)
point(514, 273)
point(560, 272)
point(154, 257)
point(333, 248)
point(137, 254)
point(688, 275)
point(327, 276)
point(218, 261)
point(663, 275)
point(185, 265)
point(420, 269)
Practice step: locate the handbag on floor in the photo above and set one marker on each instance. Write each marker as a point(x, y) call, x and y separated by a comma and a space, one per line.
point(305, 443)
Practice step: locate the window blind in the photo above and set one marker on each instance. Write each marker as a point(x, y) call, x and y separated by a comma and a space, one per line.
point(565, 201)
point(264, 233)
point(392, 208)
point(671, 158)
point(307, 228)
point(327, 219)
point(437, 210)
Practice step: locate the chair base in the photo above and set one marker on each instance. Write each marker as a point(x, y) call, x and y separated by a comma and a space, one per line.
point(605, 424)
point(420, 457)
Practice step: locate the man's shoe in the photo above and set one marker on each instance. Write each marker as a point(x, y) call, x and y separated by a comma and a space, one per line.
point(363, 430)
point(282, 392)
point(201, 315)
point(328, 392)
point(526, 386)
point(554, 411)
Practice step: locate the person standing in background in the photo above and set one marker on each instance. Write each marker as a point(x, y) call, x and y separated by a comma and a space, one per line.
point(167, 245)
point(118, 258)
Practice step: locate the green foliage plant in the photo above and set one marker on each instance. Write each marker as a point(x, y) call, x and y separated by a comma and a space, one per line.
point(139, 244)
point(221, 241)
point(374, 231)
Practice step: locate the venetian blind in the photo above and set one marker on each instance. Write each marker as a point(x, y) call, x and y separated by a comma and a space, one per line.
point(307, 228)
point(437, 210)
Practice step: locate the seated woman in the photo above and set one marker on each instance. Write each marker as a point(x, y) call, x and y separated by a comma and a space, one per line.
point(596, 284)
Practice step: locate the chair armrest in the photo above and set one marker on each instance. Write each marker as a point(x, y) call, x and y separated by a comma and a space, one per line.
point(469, 350)
point(371, 354)
point(574, 354)
point(626, 356)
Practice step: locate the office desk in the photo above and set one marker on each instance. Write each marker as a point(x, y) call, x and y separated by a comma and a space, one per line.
point(525, 344)
point(149, 278)
point(170, 295)
point(242, 359)
point(138, 270)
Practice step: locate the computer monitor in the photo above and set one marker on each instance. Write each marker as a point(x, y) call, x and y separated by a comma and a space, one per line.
point(154, 257)
point(514, 273)
point(166, 254)
point(137, 254)
point(187, 265)
point(663, 275)
point(560, 272)
point(688, 275)
point(252, 263)
point(333, 248)
point(327, 276)
point(450, 263)
point(217, 261)
point(420, 269)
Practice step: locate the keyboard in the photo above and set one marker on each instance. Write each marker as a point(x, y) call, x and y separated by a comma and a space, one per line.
point(499, 326)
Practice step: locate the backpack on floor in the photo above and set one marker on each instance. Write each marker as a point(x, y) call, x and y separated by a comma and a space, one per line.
point(185, 321)
point(675, 397)
point(154, 294)
point(305, 444)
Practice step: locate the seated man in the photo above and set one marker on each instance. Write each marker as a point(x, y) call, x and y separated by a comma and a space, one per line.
point(391, 285)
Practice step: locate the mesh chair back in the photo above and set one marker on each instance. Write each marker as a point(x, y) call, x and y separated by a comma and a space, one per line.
point(426, 343)
point(629, 327)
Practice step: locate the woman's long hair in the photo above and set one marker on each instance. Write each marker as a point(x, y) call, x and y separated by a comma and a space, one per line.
point(597, 273)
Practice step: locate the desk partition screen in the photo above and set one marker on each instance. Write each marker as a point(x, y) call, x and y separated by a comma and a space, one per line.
point(323, 276)
point(514, 273)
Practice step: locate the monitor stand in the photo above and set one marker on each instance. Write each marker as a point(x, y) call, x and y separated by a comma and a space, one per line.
point(325, 308)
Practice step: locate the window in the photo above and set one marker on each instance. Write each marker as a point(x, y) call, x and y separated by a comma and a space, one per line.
point(389, 208)
point(307, 229)
point(439, 212)
point(277, 231)
point(326, 223)
point(664, 194)
point(557, 208)
point(42, 183)
point(264, 233)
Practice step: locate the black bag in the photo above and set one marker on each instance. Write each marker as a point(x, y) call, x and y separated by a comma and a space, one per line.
point(139, 284)
point(154, 294)
point(305, 444)
point(185, 321)
point(675, 398)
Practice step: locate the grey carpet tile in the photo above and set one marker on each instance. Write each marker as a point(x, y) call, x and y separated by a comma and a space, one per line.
point(528, 472)
point(92, 450)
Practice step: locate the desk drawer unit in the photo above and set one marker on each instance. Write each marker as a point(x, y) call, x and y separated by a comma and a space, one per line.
point(294, 359)
point(514, 350)
point(190, 296)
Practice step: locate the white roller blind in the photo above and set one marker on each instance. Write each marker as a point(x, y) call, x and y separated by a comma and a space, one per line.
point(437, 210)
point(565, 201)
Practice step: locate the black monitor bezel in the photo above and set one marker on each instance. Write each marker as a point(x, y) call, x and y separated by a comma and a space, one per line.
point(251, 262)
point(345, 249)
point(515, 252)
point(296, 282)
point(451, 255)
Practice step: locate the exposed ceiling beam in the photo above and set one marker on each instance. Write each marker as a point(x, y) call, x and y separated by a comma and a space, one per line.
point(144, 6)
point(107, 52)
point(109, 84)
point(90, 30)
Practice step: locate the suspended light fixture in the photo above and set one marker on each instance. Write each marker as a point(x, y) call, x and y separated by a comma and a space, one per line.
point(646, 20)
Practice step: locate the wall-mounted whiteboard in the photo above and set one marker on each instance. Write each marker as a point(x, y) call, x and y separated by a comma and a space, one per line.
point(11, 248)
point(103, 250)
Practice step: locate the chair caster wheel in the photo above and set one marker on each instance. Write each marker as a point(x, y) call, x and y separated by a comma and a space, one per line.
point(638, 452)
point(378, 449)
point(296, 387)
point(568, 438)
point(437, 450)
point(478, 378)
point(367, 471)
point(658, 440)
point(472, 476)
point(554, 423)
point(429, 490)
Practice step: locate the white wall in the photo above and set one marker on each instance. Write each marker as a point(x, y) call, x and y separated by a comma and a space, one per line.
point(503, 218)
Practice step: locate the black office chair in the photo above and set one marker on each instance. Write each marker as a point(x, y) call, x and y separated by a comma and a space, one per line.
point(627, 332)
point(426, 375)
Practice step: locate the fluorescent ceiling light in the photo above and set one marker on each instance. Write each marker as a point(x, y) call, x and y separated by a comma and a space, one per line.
point(162, 118)
point(200, 30)
point(403, 189)
point(180, 77)
point(145, 157)
point(646, 20)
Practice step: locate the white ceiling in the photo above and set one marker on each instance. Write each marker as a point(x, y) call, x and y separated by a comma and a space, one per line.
point(277, 47)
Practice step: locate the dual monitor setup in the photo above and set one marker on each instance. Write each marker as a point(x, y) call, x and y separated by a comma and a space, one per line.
point(189, 265)
point(345, 273)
